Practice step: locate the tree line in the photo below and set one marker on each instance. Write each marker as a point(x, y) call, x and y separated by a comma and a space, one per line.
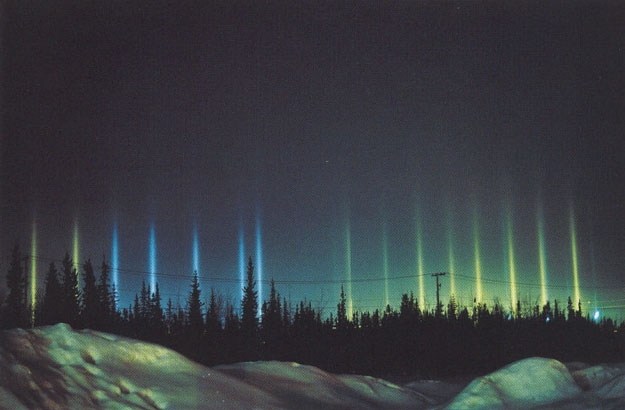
point(409, 341)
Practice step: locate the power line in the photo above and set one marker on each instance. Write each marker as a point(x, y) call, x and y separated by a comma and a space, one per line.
point(138, 272)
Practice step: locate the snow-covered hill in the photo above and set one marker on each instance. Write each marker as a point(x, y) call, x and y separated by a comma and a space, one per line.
point(56, 367)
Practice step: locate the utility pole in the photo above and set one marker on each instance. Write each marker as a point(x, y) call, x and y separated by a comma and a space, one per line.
point(438, 288)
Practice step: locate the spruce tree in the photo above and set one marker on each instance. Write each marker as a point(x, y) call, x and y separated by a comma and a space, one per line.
point(286, 314)
point(144, 305)
point(50, 309)
point(105, 295)
point(71, 295)
point(249, 304)
point(213, 321)
point(341, 312)
point(156, 320)
point(232, 323)
point(194, 308)
point(249, 319)
point(452, 308)
point(570, 310)
point(91, 308)
point(272, 317)
point(16, 314)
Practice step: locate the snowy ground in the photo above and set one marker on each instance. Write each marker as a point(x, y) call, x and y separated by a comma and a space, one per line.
point(56, 367)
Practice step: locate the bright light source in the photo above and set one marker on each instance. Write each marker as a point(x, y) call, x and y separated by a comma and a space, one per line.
point(596, 315)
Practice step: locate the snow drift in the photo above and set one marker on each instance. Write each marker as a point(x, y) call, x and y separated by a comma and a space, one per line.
point(55, 367)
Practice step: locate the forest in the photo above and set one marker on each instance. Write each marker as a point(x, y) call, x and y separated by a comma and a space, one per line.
point(449, 340)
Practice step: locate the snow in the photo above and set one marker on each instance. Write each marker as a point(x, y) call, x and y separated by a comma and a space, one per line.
point(55, 367)
point(525, 383)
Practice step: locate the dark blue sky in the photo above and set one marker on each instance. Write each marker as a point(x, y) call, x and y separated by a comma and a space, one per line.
point(317, 116)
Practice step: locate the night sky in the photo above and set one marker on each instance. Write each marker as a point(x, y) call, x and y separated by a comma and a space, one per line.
point(332, 131)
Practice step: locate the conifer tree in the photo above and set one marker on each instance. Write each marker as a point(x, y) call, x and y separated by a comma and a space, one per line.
point(570, 310)
point(213, 321)
point(249, 305)
point(105, 294)
point(409, 308)
point(50, 309)
point(341, 312)
point(91, 308)
point(546, 311)
point(452, 308)
point(136, 312)
point(169, 315)
point(144, 304)
point(231, 321)
point(286, 314)
point(156, 321)
point(272, 317)
point(16, 314)
point(194, 308)
point(71, 295)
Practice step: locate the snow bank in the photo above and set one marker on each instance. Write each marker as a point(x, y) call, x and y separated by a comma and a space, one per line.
point(529, 382)
point(56, 367)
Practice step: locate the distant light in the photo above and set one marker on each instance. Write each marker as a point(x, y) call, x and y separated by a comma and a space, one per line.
point(596, 315)
point(509, 317)
point(548, 319)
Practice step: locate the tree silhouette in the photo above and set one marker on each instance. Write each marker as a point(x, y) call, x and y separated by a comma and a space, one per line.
point(71, 295)
point(249, 304)
point(91, 309)
point(50, 309)
point(271, 326)
point(104, 294)
point(213, 321)
point(249, 318)
point(16, 314)
point(194, 309)
point(341, 312)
